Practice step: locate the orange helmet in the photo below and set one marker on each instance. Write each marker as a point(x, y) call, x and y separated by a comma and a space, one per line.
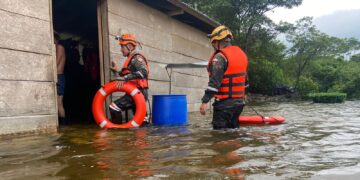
point(127, 39)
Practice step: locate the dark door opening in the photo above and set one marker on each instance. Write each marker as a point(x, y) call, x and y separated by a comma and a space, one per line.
point(76, 23)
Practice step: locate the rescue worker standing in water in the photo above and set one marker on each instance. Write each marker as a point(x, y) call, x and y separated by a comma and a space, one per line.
point(135, 70)
point(227, 75)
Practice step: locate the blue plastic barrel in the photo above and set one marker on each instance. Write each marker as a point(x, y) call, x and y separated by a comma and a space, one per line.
point(169, 110)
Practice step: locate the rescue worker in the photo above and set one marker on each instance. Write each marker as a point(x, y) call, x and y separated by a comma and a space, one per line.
point(135, 69)
point(227, 75)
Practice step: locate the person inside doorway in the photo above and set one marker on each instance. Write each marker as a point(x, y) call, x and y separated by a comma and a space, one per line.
point(60, 84)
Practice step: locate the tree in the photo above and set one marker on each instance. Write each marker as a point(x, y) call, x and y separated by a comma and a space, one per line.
point(348, 80)
point(309, 44)
point(266, 75)
point(246, 18)
point(254, 32)
point(314, 60)
point(355, 58)
point(326, 71)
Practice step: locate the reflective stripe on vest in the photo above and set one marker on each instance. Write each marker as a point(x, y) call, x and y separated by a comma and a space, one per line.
point(142, 83)
point(233, 82)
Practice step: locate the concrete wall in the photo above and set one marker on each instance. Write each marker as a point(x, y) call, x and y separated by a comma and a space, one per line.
point(27, 93)
point(164, 40)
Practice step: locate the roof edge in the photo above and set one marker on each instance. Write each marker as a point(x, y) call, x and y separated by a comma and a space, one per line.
point(184, 13)
point(195, 12)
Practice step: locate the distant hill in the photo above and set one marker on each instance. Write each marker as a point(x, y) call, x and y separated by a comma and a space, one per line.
point(343, 24)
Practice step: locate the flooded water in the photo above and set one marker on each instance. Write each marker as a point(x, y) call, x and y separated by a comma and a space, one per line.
point(318, 141)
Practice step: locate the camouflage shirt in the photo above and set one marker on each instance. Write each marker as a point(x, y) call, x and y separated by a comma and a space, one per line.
point(216, 69)
point(137, 68)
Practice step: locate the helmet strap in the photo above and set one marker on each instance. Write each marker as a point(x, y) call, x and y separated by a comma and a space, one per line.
point(127, 47)
point(228, 40)
point(220, 44)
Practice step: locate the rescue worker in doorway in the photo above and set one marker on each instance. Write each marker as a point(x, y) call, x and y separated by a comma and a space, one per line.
point(60, 84)
point(227, 75)
point(135, 69)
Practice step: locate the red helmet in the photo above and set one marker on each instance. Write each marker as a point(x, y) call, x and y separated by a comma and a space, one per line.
point(127, 39)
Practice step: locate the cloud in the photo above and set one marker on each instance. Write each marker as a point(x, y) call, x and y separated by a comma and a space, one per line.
point(313, 8)
point(343, 24)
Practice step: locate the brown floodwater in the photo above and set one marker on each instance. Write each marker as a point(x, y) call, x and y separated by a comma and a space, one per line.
point(318, 141)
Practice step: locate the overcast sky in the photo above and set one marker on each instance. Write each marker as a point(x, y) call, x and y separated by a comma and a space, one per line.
point(314, 8)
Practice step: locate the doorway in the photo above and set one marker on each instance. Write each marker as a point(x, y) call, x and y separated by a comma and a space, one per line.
point(76, 22)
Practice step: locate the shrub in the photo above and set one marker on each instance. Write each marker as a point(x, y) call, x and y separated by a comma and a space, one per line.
point(327, 97)
point(264, 75)
point(307, 85)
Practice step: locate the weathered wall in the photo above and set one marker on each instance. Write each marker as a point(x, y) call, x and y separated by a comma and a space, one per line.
point(164, 40)
point(27, 93)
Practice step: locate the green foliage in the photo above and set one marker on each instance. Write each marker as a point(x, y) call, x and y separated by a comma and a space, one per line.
point(246, 19)
point(336, 75)
point(255, 33)
point(352, 87)
point(309, 44)
point(348, 80)
point(314, 61)
point(326, 71)
point(334, 97)
point(264, 75)
point(307, 85)
point(355, 58)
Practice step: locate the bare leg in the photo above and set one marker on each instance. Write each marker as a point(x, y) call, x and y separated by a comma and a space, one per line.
point(61, 108)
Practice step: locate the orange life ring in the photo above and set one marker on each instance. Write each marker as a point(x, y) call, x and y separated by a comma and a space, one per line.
point(107, 89)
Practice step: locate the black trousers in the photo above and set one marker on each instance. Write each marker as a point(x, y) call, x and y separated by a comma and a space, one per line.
point(226, 114)
point(125, 103)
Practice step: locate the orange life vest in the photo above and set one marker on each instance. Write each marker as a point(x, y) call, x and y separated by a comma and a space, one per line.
point(142, 83)
point(233, 82)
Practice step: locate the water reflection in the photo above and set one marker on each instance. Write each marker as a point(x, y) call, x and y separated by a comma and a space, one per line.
point(122, 153)
point(318, 141)
point(140, 160)
point(102, 145)
point(75, 154)
point(26, 157)
point(226, 146)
